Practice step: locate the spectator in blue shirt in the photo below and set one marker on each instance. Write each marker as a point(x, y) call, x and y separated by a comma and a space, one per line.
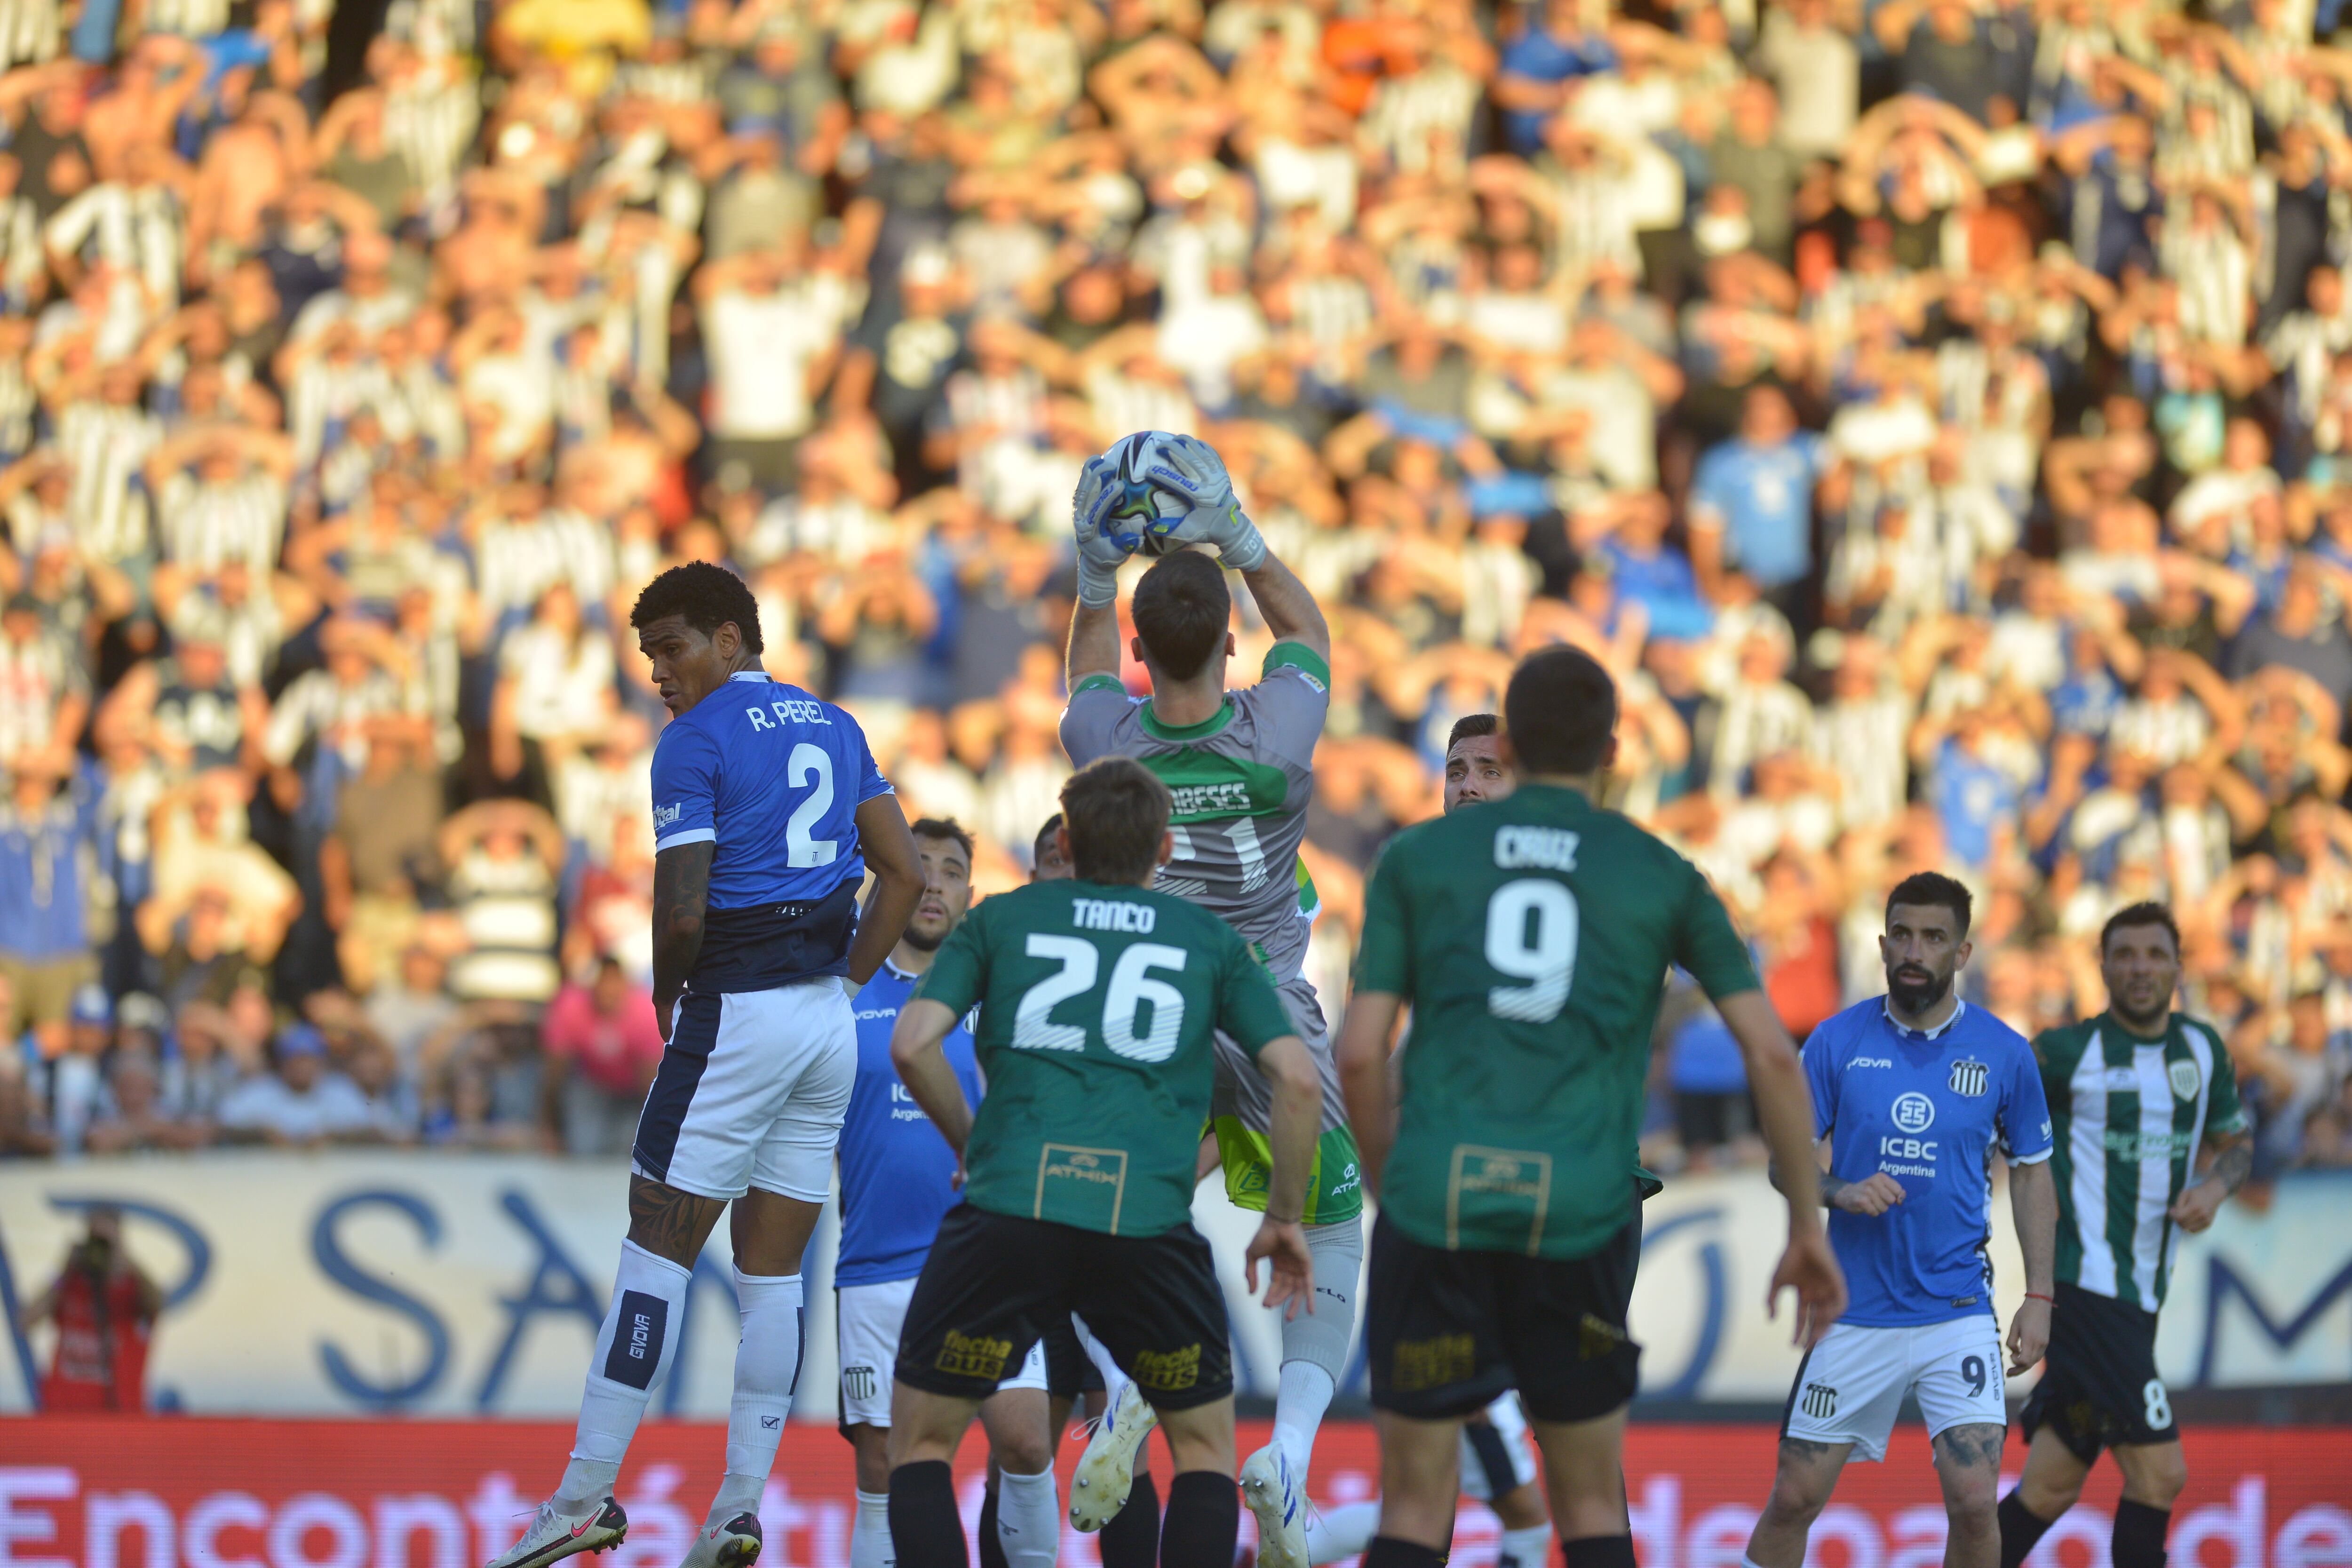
point(1973, 798)
point(1712, 1109)
point(1540, 67)
point(44, 948)
point(1645, 568)
point(1751, 506)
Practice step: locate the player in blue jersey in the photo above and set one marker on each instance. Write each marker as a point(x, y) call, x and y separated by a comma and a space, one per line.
point(768, 812)
point(1915, 1094)
point(897, 1178)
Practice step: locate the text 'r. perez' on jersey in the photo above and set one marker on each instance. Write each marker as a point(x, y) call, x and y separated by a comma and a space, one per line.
point(771, 778)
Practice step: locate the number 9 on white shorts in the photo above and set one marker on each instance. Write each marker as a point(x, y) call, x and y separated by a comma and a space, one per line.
point(1851, 1385)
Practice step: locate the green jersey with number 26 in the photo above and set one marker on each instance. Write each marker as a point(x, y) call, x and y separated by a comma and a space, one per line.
point(1531, 937)
point(1097, 1002)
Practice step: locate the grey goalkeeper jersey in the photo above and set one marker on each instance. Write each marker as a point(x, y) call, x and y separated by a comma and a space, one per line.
point(1241, 781)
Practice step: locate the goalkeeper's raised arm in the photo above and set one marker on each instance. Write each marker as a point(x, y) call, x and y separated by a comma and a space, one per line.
point(1143, 478)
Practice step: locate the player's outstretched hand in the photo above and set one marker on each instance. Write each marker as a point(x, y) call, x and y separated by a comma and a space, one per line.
point(1873, 1196)
point(1811, 1269)
point(2029, 1334)
point(1190, 467)
point(1290, 1275)
point(1099, 555)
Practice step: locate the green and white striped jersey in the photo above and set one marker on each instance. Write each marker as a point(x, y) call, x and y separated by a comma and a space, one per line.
point(2130, 1115)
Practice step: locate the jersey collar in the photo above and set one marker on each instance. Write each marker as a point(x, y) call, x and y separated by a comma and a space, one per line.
point(752, 675)
point(1207, 727)
point(1960, 1010)
point(2110, 1021)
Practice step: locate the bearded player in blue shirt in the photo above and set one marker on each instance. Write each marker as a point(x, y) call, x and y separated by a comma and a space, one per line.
point(1915, 1094)
point(897, 1178)
point(768, 811)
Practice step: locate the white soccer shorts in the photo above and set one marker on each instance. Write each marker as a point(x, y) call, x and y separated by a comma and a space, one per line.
point(869, 1318)
point(1498, 1458)
point(1851, 1385)
point(752, 1093)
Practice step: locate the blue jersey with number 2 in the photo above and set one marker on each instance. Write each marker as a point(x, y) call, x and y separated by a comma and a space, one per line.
point(772, 778)
point(1930, 1109)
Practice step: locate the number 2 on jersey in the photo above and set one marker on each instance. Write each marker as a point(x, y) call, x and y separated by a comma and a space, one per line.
point(1532, 926)
point(800, 850)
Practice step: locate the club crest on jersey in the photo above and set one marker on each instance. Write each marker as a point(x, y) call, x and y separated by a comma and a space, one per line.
point(1969, 1078)
point(2183, 1077)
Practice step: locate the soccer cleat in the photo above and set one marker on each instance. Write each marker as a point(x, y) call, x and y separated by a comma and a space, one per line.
point(555, 1535)
point(1272, 1494)
point(734, 1544)
point(1107, 1470)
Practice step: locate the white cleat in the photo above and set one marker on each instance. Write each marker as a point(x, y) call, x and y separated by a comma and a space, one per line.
point(734, 1544)
point(1107, 1470)
point(555, 1535)
point(1272, 1493)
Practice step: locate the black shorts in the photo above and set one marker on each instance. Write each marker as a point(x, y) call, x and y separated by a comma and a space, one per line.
point(1069, 1371)
point(1445, 1333)
point(993, 1284)
point(2099, 1385)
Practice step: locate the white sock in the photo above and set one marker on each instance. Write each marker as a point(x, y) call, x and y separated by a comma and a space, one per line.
point(1343, 1532)
point(1028, 1518)
point(1529, 1548)
point(869, 1532)
point(649, 1292)
point(767, 1368)
point(1299, 1402)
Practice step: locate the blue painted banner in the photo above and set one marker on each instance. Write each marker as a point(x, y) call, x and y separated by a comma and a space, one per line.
point(367, 1283)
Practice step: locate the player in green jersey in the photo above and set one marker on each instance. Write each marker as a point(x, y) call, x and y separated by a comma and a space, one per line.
point(1097, 998)
point(2135, 1093)
point(1240, 765)
point(1531, 935)
point(1497, 1467)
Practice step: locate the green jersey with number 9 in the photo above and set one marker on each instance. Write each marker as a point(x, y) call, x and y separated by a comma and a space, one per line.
point(1531, 938)
point(1097, 1002)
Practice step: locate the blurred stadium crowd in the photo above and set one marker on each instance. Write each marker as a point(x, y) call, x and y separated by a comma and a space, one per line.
point(1939, 414)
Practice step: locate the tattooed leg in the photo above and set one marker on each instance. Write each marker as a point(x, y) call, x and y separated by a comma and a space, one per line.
point(1967, 1462)
point(1801, 1485)
point(670, 1223)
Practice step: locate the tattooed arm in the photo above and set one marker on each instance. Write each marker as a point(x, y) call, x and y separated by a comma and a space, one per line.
point(681, 898)
point(2196, 1206)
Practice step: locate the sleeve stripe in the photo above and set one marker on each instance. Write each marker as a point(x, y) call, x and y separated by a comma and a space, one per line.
point(1295, 655)
point(1099, 681)
point(2032, 1159)
point(690, 835)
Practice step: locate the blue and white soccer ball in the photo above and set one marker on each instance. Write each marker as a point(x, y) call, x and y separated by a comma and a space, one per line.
point(1147, 500)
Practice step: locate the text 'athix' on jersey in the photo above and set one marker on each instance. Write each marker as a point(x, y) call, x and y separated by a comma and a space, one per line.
point(1549, 849)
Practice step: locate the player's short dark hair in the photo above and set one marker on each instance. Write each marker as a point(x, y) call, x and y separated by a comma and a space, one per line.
point(2148, 912)
point(1181, 610)
point(1933, 890)
point(1561, 710)
point(1470, 727)
point(705, 597)
point(946, 828)
point(1116, 809)
point(1045, 839)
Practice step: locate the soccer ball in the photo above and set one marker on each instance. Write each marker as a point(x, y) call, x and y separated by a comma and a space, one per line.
point(1143, 510)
